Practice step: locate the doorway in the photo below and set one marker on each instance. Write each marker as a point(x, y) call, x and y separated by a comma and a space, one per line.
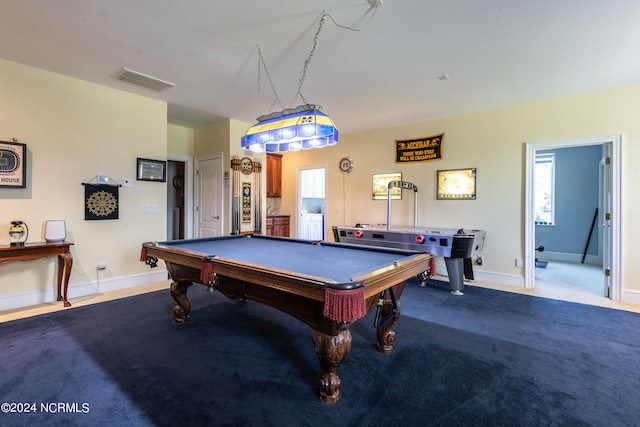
point(311, 202)
point(179, 197)
point(175, 200)
point(606, 224)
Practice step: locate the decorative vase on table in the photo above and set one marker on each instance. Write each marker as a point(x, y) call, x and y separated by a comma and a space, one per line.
point(19, 233)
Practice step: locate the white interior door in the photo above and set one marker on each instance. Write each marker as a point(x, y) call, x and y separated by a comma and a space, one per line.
point(209, 198)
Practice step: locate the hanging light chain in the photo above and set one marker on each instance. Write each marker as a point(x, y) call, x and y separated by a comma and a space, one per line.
point(303, 74)
point(262, 64)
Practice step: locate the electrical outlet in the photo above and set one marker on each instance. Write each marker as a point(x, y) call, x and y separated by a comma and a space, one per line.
point(519, 263)
point(151, 209)
point(102, 265)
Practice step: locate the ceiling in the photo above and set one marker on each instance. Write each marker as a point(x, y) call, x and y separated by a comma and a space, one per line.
point(380, 71)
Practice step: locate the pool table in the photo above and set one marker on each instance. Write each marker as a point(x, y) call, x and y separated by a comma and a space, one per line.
point(328, 286)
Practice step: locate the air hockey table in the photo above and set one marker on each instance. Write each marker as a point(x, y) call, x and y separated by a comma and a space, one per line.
point(460, 247)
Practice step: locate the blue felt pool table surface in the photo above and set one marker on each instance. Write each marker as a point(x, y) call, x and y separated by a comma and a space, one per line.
point(336, 262)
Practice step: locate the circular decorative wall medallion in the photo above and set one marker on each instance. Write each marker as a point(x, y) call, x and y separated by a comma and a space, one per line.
point(346, 164)
point(246, 166)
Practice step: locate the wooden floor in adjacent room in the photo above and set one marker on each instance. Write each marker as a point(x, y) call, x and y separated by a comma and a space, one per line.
point(20, 313)
point(549, 284)
point(568, 281)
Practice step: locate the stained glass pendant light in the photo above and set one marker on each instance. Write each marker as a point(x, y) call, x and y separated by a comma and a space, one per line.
point(292, 129)
point(297, 128)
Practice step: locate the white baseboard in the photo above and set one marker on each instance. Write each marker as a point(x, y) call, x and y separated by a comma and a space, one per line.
point(630, 296)
point(500, 278)
point(480, 275)
point(568, 257)
point(27, 299)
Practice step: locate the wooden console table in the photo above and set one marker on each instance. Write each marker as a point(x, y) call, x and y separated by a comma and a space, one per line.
point(30, 251)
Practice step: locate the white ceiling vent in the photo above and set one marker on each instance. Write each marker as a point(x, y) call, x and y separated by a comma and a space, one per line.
point(143, 80)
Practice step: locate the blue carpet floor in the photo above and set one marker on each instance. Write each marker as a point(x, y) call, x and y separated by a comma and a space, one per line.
point(488, 358)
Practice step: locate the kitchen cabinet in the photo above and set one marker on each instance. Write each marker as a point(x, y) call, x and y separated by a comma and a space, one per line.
point(278, 225)
point(274, 175)
point(313, 184)
point(311, 226)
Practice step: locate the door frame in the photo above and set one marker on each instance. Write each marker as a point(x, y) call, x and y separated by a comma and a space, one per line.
point(187, 183)
point(615, 141)
point(299, 209)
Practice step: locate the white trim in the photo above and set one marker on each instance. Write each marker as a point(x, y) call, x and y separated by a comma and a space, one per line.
point(529, 232)
point(569, 257)
point(499, 278)
point(44, 296)
point(529, 217)
point(631, 296)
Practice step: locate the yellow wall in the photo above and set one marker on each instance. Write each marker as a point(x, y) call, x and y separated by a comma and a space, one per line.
point(76, 130)
point(494, 143)
point(224, 137)
point(180, 140)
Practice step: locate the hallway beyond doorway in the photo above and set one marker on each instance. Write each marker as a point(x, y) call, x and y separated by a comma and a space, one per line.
point(588, 277)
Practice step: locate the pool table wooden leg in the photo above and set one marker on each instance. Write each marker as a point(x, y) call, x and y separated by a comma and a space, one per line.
point(178, 291)
point(387, 337)
point(331, 352)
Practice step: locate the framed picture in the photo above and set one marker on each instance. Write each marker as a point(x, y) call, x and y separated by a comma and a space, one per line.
point(13, 164)
point(152, 170)
point(381, 185)
point(246, 202)
point(457, 184)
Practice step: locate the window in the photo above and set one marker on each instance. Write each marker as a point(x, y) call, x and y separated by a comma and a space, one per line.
point(545, 189)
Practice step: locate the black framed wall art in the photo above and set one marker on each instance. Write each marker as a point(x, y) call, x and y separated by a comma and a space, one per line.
point(381, 186)
point(457, 184)
point(13, 164)
point(151, 170)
